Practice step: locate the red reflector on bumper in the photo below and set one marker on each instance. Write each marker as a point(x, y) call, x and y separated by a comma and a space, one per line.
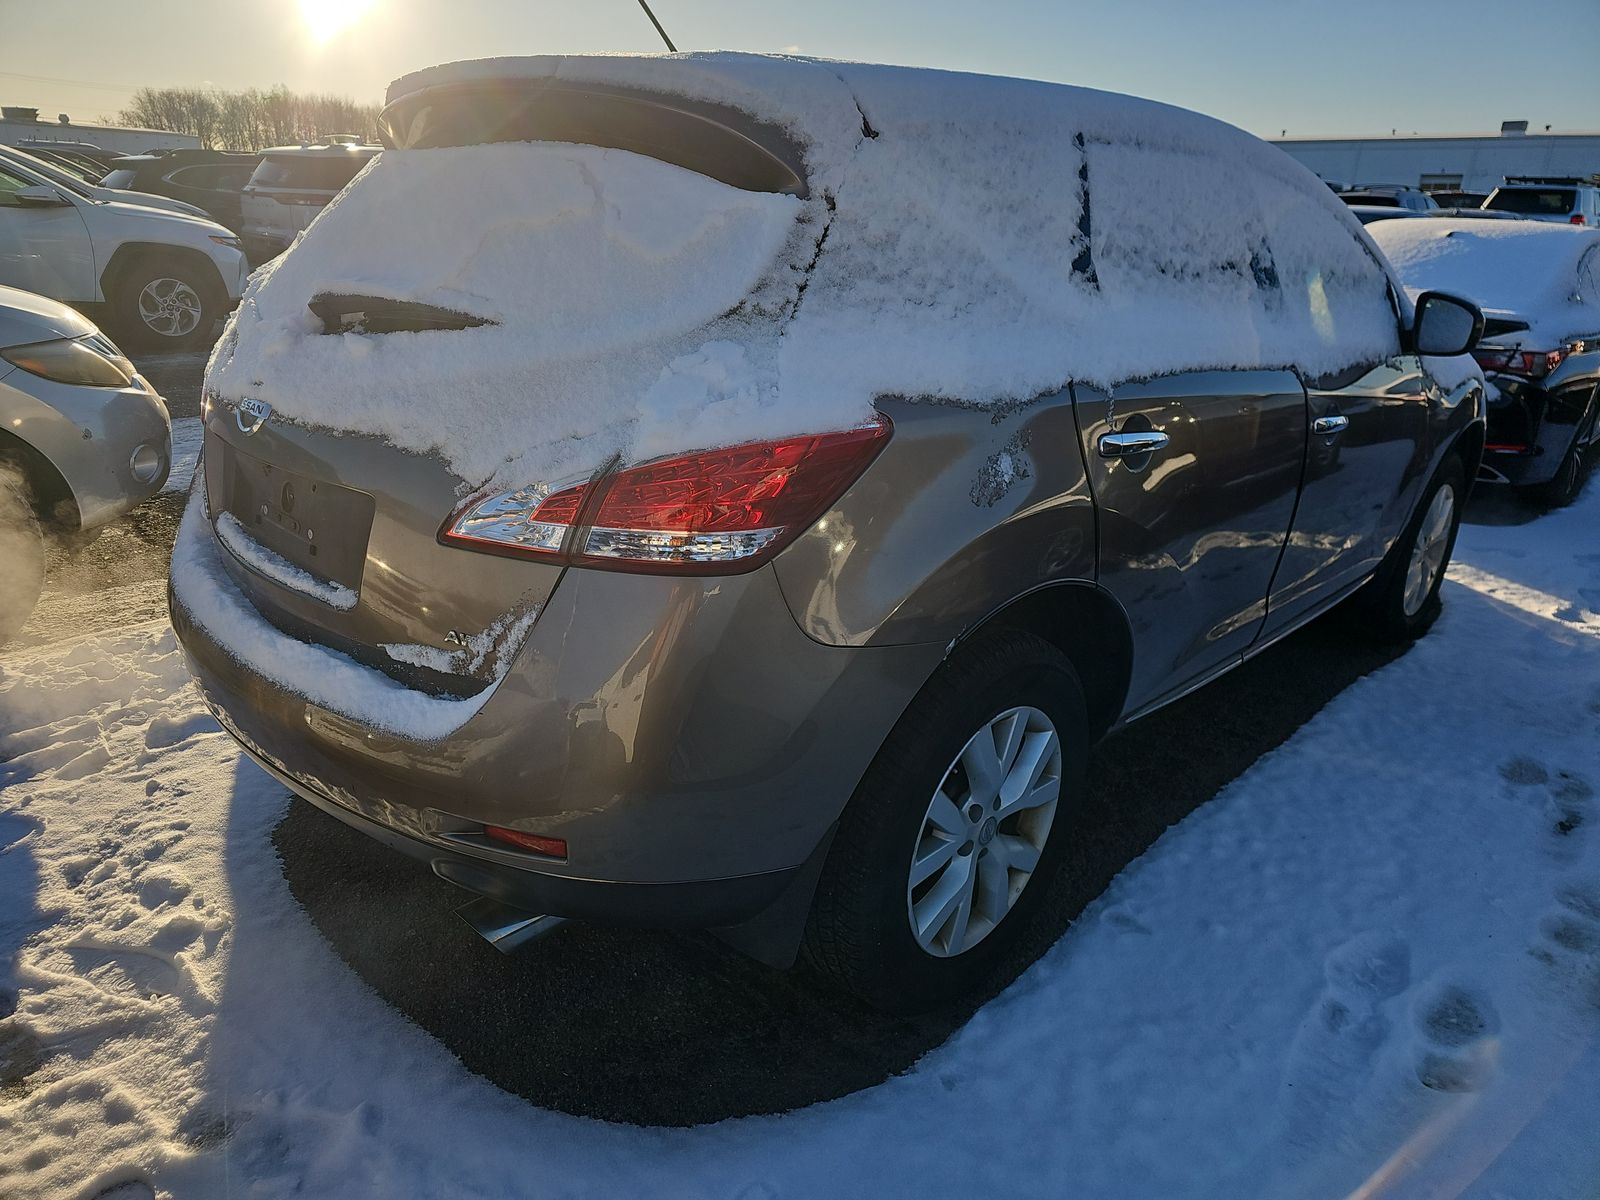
point(552, 846)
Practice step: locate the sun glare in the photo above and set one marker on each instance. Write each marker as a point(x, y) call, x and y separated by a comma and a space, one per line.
point(327, 19)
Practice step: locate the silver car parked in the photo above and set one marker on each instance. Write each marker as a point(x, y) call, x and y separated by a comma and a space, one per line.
point(83, 439)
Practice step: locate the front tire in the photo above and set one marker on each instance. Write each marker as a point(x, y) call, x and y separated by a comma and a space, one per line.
point(1401, 602)
point(949, 843)
point(160, 304)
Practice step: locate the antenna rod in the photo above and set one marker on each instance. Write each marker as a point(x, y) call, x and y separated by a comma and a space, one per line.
point(657, 24)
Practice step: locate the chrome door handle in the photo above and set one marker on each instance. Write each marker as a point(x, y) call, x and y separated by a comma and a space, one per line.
point(1330, 425)
point(1126, 445)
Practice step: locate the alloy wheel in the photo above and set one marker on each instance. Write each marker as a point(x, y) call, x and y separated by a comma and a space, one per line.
point(984, 831)
point(1428, 551)
point(170, 307)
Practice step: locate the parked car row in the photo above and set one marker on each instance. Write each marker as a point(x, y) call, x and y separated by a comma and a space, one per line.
point(1561, 199)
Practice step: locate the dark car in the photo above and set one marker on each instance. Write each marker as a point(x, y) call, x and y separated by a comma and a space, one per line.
point(209, 179)
point(784, 471)
point(1539, 286)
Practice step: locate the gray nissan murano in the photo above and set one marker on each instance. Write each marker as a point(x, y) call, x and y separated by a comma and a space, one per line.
point(826, 689)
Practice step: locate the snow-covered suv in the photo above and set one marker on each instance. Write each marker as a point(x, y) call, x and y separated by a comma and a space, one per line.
point(164, 278)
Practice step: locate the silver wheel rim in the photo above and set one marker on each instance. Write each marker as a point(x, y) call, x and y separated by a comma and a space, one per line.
point(1427, 553)
point(984, 830)
point(170, 307)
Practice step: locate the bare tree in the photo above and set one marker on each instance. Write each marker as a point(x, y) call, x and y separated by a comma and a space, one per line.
point(250, 119)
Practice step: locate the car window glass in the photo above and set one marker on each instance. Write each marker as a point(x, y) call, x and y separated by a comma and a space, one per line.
point(315, 172)
point(119, 178)
point(9, 185)
point(1553, 202)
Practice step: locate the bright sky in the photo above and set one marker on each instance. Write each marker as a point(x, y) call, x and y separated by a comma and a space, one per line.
point(1356, 66)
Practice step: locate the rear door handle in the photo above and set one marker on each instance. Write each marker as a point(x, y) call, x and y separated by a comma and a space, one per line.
point(1330, 425)
point(1126, 445)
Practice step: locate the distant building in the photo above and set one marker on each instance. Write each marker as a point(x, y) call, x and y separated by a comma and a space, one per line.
point(23, 124)
point(1472, 162)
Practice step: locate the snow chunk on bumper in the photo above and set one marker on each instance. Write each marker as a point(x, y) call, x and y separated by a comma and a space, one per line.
point(201, 585)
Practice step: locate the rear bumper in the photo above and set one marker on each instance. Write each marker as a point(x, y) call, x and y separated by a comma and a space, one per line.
point(691, 745)
point(1529, 431)
point(699, 904)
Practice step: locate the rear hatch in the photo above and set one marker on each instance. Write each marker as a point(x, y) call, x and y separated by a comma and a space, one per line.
point(443, 297)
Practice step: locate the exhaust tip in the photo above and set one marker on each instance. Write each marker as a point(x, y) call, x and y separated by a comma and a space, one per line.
point(504, 927)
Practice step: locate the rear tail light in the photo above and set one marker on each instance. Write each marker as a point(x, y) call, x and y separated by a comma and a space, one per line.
point(1529, 364)
point(1576, 219)
point(714, 512)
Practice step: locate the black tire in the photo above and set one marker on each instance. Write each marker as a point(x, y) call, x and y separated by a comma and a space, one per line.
point(859, 933)
point(1563, 489)
point(1383, 606)
point(185, 297)
point(22, 553)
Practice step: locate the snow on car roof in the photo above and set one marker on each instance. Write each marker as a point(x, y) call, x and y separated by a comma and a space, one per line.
point(965, 238)
point(1535, 271)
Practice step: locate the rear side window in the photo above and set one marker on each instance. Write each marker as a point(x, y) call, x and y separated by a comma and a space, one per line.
point(120, 178)
point(719, 143)
point(323, 173)
point(225, 176)
point(1538, 202)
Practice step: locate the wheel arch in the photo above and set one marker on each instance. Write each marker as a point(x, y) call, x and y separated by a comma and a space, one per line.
point(130, 254)
point(53, 498)
point(1084, 622)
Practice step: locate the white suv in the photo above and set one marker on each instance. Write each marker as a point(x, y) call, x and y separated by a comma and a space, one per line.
point(1567, 200)
point(164, 278)
point(290, 186)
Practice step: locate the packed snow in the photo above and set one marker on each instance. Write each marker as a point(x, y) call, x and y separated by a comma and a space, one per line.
point(964, 237)
point(1370, 966)
point(340, 684)
point(232, 534)
point(1535, 271)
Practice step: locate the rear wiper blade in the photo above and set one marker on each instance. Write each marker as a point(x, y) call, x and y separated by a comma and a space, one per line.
point(375, 314)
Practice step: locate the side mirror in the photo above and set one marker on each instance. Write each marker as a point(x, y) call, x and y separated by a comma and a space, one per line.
point(40, 196)
point(1445, 325)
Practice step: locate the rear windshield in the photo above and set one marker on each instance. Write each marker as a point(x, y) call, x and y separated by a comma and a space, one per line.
point(120, 178)
point(325, 173)
point(1379, 200)
point(1553, 202)
point(719, 143)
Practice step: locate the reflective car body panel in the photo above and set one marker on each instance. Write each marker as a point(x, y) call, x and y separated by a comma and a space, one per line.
point(1191, 532)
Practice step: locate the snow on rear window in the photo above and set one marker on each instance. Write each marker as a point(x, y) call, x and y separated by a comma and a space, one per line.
point(1528, 270)
point(945, 250)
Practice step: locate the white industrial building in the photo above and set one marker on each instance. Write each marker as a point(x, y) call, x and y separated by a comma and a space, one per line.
point(23, 124)
point(1473, 162)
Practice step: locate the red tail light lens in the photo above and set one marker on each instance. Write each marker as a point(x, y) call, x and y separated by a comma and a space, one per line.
point(553, 847)
point(712, 512)
point(1576, 219)
point(1529, 364)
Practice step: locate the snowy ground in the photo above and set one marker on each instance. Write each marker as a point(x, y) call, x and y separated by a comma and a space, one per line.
point(1371, 967)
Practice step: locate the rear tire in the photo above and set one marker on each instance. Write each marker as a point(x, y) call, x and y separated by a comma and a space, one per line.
point(1401, 601)
point(22, 553)
point(919, 801)
point(161, 304)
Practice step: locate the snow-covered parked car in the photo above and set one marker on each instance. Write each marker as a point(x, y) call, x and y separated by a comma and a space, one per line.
point(733, 492)
point(1539, 287)
point(83, 439)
